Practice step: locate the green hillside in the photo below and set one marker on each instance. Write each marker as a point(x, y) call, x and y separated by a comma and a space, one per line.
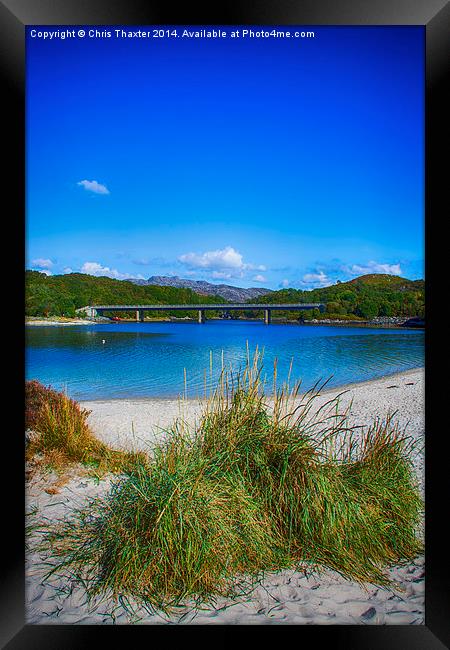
point(362, 298)
point(61, 295)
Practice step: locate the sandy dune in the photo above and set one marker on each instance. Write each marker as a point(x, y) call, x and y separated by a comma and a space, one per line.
point(285, 597)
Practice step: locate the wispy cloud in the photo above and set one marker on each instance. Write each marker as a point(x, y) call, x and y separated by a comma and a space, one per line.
point(374, 267)
point(42, 263)
point(324, 275)
point(94, 186)
point(259, 278)
point(218, 275)
point(315, 280)
point(94, 268)
point(141, 262)
point(152, 261)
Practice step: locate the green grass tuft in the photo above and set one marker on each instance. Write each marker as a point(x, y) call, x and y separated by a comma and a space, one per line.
point(257, 487)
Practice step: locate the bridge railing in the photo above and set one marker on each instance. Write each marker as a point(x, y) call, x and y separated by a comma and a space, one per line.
point(211, 307)
point(267, 308)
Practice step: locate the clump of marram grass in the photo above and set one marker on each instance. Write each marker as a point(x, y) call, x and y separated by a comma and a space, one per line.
point(169, 531)
point(61, 434)
point(253, 489)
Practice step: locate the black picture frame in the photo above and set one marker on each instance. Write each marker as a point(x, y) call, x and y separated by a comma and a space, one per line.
point(434, 15)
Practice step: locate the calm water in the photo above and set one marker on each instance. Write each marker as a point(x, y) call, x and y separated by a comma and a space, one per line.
point(148, 359)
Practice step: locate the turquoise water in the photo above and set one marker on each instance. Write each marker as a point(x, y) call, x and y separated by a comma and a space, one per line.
point(151, 359)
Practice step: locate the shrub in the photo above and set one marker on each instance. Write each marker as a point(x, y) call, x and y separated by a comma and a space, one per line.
point(253, 489)
point(62, 433)
point(36, 396)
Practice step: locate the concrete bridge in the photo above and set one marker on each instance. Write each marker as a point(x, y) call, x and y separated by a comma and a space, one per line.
point(99, 310)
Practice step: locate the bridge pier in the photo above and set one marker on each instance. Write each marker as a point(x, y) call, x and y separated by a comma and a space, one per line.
point(140, 309)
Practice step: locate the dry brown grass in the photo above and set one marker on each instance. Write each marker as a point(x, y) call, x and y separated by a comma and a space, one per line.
point(62, 437)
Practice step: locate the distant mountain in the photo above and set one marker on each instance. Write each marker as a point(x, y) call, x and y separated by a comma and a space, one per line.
point(228, 292)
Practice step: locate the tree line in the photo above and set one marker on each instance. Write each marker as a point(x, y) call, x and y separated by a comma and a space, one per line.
point(363, 298)
point(62, 295)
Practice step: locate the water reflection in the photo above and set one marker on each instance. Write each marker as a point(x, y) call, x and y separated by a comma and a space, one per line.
point(76, 337)
point(150, 359)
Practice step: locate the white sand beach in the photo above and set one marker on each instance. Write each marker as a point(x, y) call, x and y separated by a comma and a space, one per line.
point(41, 322)
point(287, 597)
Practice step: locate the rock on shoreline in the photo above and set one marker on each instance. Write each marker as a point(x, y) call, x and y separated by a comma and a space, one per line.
point(397, 321)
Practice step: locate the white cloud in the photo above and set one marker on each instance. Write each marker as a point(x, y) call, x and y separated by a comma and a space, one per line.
point(228, 258)
point(375, 267)
point(45, 271)
point(94, 186)
point(142, 262)
point(67, 269)
point(315, 280)
point(41, 263)
point(94, 268)
point(325, 275)
point(259, 278)
point(217, 275)
point(223, 263)
point(315, 277)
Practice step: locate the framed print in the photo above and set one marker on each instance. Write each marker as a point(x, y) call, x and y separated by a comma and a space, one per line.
point(230, 321)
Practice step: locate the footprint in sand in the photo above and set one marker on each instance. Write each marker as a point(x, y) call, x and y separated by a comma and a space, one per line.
point(290, 593)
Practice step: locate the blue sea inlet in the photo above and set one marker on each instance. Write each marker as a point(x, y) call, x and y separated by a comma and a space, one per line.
point(126, 360)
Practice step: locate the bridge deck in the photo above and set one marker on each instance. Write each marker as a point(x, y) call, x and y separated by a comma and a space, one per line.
point(210, 307)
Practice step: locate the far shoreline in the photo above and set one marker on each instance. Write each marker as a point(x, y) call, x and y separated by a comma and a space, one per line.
point(55, 322)
point(342, 388)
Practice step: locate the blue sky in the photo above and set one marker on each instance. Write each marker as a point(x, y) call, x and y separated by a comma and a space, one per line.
point(254, 162)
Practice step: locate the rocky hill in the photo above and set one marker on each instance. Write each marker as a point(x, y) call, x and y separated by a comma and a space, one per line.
point(233, 294)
